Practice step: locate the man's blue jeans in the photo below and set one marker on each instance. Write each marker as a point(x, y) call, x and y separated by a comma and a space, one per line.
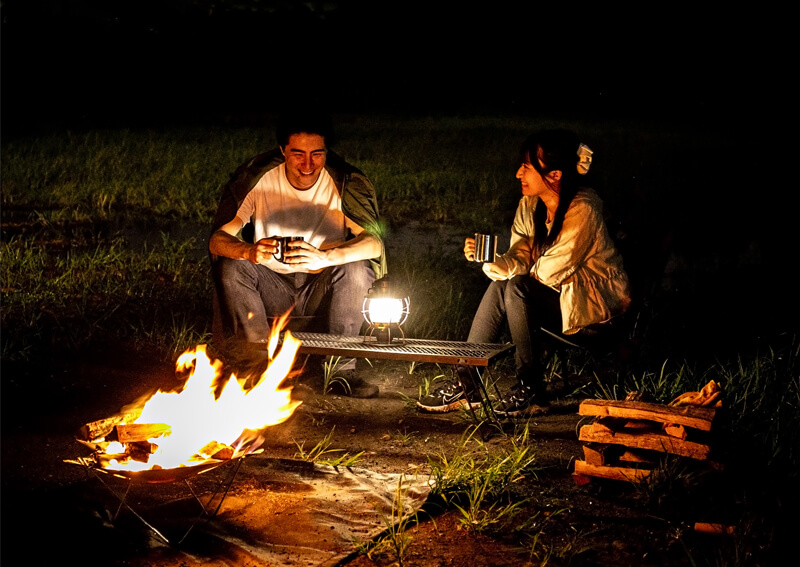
point(526, 305)
point(250, 295)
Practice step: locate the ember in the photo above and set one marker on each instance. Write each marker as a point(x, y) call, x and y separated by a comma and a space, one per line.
point(196, 426)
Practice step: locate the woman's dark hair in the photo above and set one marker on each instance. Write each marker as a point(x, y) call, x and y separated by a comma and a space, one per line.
point(558, 151)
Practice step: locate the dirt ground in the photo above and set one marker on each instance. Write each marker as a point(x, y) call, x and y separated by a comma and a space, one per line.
point(54, 511)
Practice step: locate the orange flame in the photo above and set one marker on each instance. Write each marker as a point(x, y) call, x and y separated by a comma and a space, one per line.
point(197, 417)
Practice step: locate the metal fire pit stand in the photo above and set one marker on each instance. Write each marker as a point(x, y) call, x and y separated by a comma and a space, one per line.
point(142, 477)
point(455, 353)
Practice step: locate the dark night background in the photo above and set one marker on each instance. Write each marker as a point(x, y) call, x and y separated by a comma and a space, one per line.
point(155, 61)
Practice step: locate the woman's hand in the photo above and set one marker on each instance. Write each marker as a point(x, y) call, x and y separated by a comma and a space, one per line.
point(497, 270)
point(469, 249)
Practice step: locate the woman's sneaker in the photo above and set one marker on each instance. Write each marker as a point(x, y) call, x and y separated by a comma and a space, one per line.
point(449, 396)
point(521, 401)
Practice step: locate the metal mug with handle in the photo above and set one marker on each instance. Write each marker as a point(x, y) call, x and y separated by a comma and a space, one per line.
point(485, 247)
point(283, 246)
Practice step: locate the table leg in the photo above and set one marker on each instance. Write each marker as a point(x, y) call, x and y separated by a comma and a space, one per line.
point(480, 387)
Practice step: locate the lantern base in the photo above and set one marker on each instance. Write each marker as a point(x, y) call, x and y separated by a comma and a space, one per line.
point(385, 335)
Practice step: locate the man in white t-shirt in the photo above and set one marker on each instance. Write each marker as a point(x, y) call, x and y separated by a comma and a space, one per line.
point(302, 190)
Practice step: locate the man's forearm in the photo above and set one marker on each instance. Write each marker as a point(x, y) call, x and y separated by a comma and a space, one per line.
point(362, 247)
point(223, 244)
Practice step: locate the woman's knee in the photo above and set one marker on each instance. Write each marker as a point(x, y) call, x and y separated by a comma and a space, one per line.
point(518, 287)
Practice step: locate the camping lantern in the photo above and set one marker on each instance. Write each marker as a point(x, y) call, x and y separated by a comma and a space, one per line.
point(384, 313)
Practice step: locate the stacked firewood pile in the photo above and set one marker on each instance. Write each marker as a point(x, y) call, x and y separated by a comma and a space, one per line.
point(627, 438)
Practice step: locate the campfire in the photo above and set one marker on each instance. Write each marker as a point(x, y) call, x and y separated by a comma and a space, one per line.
point(205, 424)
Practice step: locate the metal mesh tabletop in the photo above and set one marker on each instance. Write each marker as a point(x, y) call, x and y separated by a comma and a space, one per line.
point(417, 350)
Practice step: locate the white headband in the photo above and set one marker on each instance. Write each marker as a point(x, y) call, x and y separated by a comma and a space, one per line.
point(584, 159)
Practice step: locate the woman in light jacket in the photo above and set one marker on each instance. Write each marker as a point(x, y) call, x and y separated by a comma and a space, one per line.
point(561, 271)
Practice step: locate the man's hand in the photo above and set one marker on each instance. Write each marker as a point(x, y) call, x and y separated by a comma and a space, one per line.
point(304, 254)
point(262, 250)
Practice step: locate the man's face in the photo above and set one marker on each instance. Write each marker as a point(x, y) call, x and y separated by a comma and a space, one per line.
point(305, 158)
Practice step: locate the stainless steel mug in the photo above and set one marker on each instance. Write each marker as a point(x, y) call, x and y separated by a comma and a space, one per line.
point(485, 247)
point(283, 246)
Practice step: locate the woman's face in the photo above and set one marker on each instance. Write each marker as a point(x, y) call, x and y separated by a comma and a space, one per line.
point(533, 183)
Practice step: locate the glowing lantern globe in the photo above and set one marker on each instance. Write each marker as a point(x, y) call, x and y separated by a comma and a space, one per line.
point(384, 313)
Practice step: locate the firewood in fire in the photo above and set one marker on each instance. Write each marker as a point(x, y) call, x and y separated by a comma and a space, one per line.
point(141, 450)
point(133, 432)
point(214, 450)
point(104, 427)
point(105, 460)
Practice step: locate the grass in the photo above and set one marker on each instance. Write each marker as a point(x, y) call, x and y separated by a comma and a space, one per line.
point(428, 376)
point(323, 454)
point(331, 367)
point(395, 539)
point(68, 299)
point(432, 170)
point(455, 477)
point(172, 173)
point(405, 437)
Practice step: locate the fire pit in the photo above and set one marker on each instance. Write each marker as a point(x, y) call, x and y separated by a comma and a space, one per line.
point(174, 436)
point(164, 476)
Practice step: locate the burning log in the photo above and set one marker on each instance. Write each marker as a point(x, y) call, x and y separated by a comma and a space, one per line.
point(105, 427)
point(140, 450)
point(107, 460)
point(214, 450)
point(133, 432)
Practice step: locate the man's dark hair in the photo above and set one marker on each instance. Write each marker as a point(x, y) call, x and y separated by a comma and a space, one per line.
point(308, 122)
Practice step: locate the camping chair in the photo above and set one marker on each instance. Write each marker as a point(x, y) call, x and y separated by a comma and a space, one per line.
point(607, 347)
point(612, 346)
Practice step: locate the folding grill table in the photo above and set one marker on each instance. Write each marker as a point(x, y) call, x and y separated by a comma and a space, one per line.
point(456, 353)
